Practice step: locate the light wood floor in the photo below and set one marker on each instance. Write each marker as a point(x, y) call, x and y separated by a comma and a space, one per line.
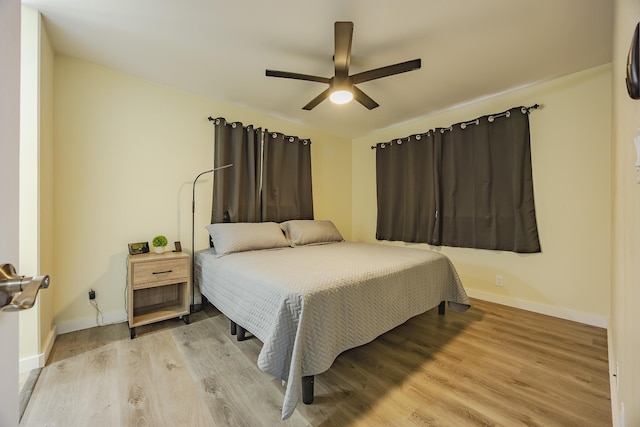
point(492, 365)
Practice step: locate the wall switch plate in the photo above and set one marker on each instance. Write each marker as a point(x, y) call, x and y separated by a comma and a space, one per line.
point(499, 281)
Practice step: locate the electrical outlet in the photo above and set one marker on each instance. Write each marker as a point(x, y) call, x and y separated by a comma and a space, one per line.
point(499, 281)
point(91, 297)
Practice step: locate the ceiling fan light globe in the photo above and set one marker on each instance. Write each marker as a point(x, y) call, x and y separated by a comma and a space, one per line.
point(341, 96)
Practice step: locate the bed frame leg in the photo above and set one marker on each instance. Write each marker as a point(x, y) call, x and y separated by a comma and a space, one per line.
point(241, 334)
point(441, 307)
point(237, 330)
point(307, 390)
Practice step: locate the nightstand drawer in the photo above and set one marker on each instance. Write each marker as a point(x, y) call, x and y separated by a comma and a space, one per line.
point(172, 270)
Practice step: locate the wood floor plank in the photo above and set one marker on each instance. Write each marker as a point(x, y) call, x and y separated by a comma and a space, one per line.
point(490, 366)
point(158, 378)
point(234, 390)
point(60, 390)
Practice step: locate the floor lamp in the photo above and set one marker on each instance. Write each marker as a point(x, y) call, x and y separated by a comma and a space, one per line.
point(193, 307)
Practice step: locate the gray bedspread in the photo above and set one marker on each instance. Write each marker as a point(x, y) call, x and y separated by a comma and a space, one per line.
point(308, 304)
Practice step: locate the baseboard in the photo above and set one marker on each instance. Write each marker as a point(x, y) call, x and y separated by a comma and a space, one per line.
point(119, 316)
point(38, 361)
point(613, 382)
point(30, 363)
point(51, 339)
point(562, 313)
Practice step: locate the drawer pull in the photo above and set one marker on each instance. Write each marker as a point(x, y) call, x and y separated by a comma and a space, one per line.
point(162, 272)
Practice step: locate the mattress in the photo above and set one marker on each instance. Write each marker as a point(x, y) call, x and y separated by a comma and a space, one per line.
point(308, 304)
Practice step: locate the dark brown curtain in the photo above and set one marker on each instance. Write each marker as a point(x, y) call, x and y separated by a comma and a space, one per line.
point(407, 190)
point(236, 190)
point(286, 178)
point(487, 186)
point(483, 186)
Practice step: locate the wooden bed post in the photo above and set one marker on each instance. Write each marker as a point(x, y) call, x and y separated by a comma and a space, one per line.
point(441, 307)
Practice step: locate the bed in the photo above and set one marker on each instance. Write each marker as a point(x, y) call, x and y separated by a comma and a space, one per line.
point(308, 295)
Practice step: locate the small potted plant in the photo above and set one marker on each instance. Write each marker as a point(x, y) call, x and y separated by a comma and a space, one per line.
point(159, 242)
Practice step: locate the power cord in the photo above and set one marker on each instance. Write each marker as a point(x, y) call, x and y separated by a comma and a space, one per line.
point(94, 303)
point(99, 316)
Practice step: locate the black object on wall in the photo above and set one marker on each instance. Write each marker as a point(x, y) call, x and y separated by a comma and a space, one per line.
point(633, 66)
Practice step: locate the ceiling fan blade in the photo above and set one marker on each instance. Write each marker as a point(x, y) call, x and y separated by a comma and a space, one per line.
point(364, 99)
point(317, 100)
point(389, 70)
point(297, 76)
point(342, 49)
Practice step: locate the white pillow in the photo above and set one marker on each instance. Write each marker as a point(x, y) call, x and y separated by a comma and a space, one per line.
point(308, 231)
point(246, 236)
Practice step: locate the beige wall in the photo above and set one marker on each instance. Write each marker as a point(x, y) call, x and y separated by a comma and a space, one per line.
point(625, 328)
point(571, 155)
point(126, 154)
point(36, 185)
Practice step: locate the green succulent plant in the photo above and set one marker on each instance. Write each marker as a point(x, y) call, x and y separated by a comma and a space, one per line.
point(160, 241)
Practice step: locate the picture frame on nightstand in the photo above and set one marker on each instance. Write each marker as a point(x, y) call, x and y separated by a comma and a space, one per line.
point(138, 248)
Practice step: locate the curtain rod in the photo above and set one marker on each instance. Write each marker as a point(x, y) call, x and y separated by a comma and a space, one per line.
point(463, 125)
point(305, 141)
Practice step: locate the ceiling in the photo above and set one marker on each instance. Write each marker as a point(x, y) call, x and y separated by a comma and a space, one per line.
point(219, 49)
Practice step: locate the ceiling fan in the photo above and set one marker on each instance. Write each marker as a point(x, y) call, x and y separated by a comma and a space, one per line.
point(342, 87)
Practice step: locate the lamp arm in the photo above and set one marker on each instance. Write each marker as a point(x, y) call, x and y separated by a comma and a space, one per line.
point(193, 188)
point(193, 232)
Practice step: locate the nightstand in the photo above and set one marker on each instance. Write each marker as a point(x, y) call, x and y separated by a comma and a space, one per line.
point(158, 288)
